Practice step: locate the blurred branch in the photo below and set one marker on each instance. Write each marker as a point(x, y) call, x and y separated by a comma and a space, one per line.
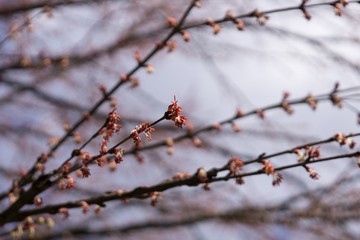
point(37, 63)
point(127, 38)
point(318, 44)
point(56, 101)
point(76, 60)
point(7, 128)
point(253, 215)
point(246, 215)
point(23, 87)
point(10, 9)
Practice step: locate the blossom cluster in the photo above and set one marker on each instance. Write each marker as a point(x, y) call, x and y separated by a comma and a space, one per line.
point(174, 113)
point(344, 140)
point(268, 169)
point(111, 126)
point(146, 128)
point(310, 153)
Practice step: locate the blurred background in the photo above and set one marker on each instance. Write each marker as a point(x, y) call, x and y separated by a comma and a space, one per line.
point(55, 55)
